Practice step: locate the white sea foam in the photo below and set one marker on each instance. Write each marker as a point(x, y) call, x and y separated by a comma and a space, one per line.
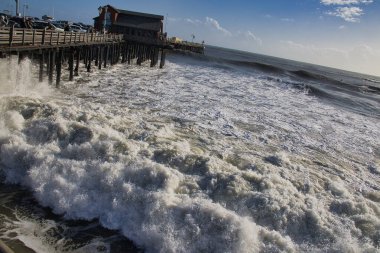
point(19, 80)
point(198, 158)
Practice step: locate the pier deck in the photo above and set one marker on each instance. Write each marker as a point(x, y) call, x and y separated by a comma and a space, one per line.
point(51, 49)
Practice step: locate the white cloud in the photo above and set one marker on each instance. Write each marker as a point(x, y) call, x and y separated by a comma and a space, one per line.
point(250, 35)
point(215, 24)
point(290, 20)
point(210, 30)
point(360, 58)
point(171, 19)
point(345, 2)
point(349, 14)
point(193, 21)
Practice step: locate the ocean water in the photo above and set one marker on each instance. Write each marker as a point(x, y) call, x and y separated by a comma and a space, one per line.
point(227, 152)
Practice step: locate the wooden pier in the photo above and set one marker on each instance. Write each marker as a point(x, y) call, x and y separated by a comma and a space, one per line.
point(51, 49)
point(188, 46)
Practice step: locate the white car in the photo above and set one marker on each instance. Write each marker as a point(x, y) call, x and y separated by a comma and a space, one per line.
point(47, 25)
point(75, 28)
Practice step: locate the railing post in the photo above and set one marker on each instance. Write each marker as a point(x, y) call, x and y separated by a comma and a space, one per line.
point(58, 37)
point(11, 35)
point(23, 36)
point(43, 37)
point(34, 37)
point(51, 38)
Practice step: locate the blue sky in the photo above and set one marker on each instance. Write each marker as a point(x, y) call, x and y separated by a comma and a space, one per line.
point(338, 33)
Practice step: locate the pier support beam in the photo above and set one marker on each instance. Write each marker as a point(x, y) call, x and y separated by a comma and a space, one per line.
point(85, 56)
point(76, 70)
point(48, 62)
point(51, 66)
point(97, 49)
point(71, 65)
point(20, 57)
point(163, 56)
point(101, 50)
point(89, 61)
point(112, 56)
point(152, 57)
point(59, 68)
point(41, 73)
point(129, 52)
point(106, 55)
point(124, 53)
point(139, 55)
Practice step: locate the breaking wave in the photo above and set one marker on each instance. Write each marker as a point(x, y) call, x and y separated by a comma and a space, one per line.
point(194, 158)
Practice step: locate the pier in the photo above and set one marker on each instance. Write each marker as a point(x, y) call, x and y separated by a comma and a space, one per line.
point(51, 49)
point(188, 46)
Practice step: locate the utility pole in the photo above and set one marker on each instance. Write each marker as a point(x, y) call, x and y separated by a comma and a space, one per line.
point(17, 8)
point(23, 9)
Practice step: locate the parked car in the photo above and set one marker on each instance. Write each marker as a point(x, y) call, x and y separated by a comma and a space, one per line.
point(18, 20)
point(75, 28)
point(81, 25)
point(14, 24)
point(5, 15)
point(47, 25)
point(58, 25)
point(4, 20)
point(63, 22)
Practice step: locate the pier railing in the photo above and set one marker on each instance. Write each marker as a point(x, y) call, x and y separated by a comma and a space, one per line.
point(51, 49)
point(16, 37)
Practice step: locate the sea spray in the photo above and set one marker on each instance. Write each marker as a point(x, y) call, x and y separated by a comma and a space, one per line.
point(19, 79)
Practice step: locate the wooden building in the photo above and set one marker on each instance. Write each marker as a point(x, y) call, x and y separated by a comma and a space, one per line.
point(135, 26)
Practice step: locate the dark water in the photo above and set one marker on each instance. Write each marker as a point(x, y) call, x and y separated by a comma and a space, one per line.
point(353, 91)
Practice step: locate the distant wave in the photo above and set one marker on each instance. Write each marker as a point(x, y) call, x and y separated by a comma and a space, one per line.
point(299, 74)
point(359, 97)
point(371, 80)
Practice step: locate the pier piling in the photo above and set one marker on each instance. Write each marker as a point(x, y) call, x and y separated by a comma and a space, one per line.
point(59, 68)
point(51, 66)
point(89, 60)
point(163, 56)
point(78, 53)
point(41, 72)
point(71, 64)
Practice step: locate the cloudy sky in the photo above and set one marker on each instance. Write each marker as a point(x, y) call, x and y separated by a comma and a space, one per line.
point(338, 33)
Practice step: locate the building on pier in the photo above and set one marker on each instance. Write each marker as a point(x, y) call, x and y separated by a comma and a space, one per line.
point(135, 26)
